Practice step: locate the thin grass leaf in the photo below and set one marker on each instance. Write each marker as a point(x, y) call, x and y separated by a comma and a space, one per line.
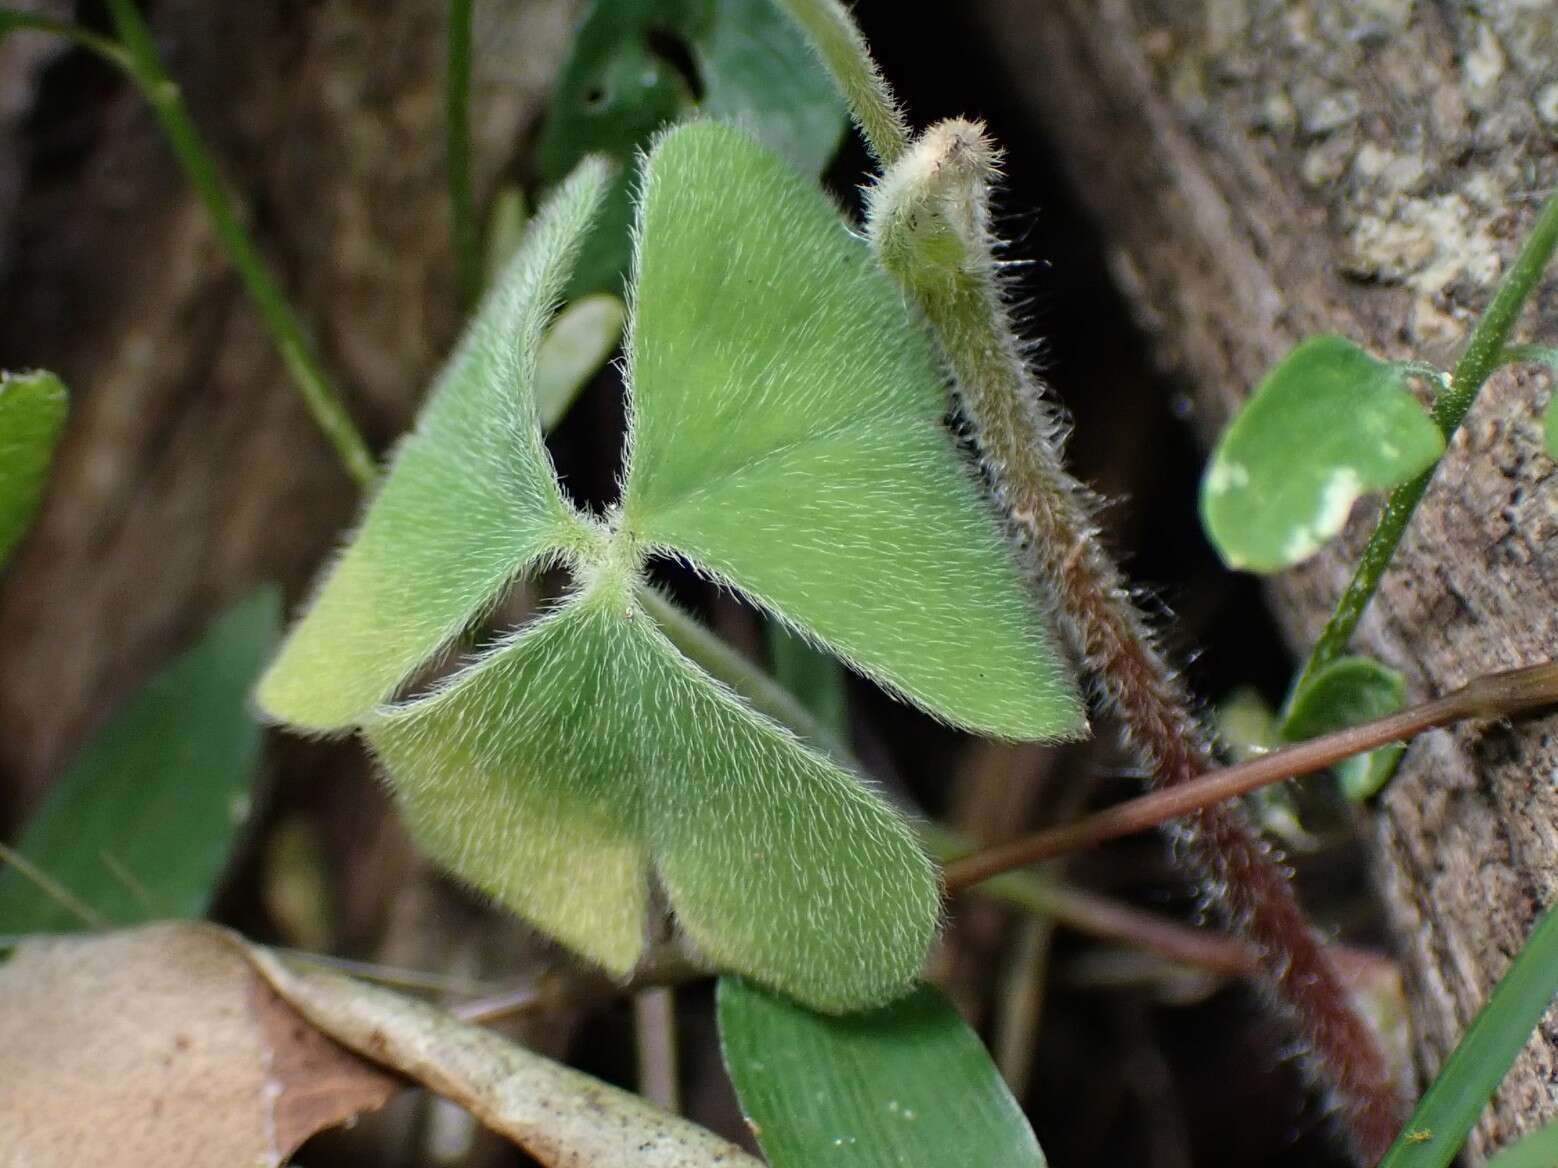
point(1327, 425)
point(469, 500)
point(1432, 1138)
point(908, 1085)
point(787, 438)
point(32, 417)
point(141, 825)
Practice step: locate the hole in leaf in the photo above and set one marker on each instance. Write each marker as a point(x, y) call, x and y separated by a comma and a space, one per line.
point(528, 598)
point(595, 97)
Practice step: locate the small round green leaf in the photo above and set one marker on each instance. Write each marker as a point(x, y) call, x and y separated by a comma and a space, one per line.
point(1327, 425)
point(32, 417)
point(1343, 693)
point(908, 1085)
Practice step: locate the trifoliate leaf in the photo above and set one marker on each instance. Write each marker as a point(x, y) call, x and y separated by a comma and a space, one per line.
point(536, 772)
point(470, 498)
point(1327, 425)
point(636, 66)
point(32, 417)
point(909, 1085)
point(1343, 693)
point(788, 438)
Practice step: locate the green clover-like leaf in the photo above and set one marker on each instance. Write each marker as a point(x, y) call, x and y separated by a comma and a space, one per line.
point(1326, 426)
point(786, 438)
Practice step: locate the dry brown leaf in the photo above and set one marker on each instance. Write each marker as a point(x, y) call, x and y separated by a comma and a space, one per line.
point(562, 1117)
point(161, 1046)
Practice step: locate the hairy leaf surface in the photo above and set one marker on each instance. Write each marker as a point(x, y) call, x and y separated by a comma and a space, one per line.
point(536, 772)
point(470, 498)
point(1327, 425)
point(788, 439)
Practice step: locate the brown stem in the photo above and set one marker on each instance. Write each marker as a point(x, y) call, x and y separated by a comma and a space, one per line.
point(1496, 695)
point(929, 223)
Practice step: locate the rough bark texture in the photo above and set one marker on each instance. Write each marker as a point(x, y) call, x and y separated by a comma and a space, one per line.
point(190, 472)
point(1266, 170)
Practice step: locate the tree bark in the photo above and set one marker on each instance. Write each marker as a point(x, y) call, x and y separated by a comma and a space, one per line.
point(1265, 171)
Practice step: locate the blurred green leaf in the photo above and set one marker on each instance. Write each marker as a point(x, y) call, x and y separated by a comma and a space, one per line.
point(1343, 693)
point(637, 65)
point(32, 417)
point(1541, 355)
point(1247, 726)
point(1432, 1138)
point(141, 826)
point(581, 339)
point(788, 440)
point(1327, 425)
point(506, 225)
point(470, 499)
point(1538, 1149)
point(813, 677)
point(908, 1085)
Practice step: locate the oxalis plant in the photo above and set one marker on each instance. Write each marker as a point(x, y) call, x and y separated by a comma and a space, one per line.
point(606, 761)
point(785, 439)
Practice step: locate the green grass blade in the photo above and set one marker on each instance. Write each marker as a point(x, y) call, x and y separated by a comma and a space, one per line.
point(32, 417)
point(908, 1085)
point(788, 439)
point(1433, 1136)
point(469, 498)
point(1327, 425)
point(636, 66)
point(141, 826)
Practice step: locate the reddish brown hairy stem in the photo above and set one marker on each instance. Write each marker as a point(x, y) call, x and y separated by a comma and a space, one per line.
point(929, 220)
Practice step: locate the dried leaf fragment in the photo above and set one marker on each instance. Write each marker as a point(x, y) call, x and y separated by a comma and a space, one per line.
point(161, 1046)
point(562, 1117)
